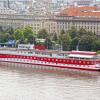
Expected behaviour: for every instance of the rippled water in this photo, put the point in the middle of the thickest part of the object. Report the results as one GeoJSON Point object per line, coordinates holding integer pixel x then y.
{"type": "Point", "coordinates": [22, 83]}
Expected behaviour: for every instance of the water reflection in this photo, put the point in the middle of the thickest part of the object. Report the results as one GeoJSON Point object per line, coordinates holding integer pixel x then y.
{"type": "Point", "coordinates": [23, 83]}
{"type": "Point", "coordinates": [27, 70]}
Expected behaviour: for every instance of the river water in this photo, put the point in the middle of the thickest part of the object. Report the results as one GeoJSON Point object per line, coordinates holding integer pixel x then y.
{"type": "Point", "coordinates": [26, 83]}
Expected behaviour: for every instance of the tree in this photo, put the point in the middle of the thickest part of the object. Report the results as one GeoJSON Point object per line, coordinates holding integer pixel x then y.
{"type": "Point", "coordinates": [10, 31]}
{"type": "Point", "coordinates": [24, 35]}
{"type": "Point", "coordinates": [81, 32]}
{"type": "Point", "coordinates": [27, 31]}
{"type": "Point", "coordinates": [96, 45]}
{"type": "Point", "coordinates": [48, 43]}
{"type": "Point", "coordinates": [1, 29]}
{"type": "Point", "coordinates": [55, 38]}
{"type": "Point", "coordinates": [73, 32]}
{"type": "Point", "coordinates": [2, 37]}
{"type": "Point", "coordinates": [62, 32]}
{"type": "Point", "coordinates": [18, 35]}
{"type": "Point", "coordinates": [65, 41]}
{"type": "Point", "coordinates": [85, 39]}
{"type": "Point", "coordinates": [34, 38]}
{"type": "Point", "coordinates": [74, 43]}
{"type": "Point", "coordinates": [42, 34]}
{"type": "Point", "coordinates": [86, 42]}
{"type": "Point", "coordinates": [28, 34]}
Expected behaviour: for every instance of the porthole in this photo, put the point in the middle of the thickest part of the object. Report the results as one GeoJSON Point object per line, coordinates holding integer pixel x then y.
{"type": "Point", "coordinates": [88, 62]}
{"type": "Point", "coordinates": [41, 58]}
{"type": "Point", "coordinates": [72, 61]}
{"type": "Point", "coordinates": [52, 59]}
{"type": "Point", "coordinates": [64, 61]}
{"type": "Point", "coordinates": [83, 62]}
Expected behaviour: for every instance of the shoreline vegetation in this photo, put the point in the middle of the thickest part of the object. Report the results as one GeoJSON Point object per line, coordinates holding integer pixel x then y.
{"type": "Point", "coordinates": [67, 40]}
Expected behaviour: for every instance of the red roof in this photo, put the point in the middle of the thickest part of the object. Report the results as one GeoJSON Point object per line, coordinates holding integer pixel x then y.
{"type": "Point", "coordinates": [81, 11]}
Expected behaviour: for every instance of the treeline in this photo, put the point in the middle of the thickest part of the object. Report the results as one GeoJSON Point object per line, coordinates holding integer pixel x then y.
{"type": "Point", "coordinates": [71, 40]}
{"type": "Point", "coordinates": [20, 35]}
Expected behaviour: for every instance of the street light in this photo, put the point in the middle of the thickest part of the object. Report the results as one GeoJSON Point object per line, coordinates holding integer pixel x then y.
{"type": "Point", "coordinates": [61, 46]}
{"type": "Point", "coordinates": [77, 47]}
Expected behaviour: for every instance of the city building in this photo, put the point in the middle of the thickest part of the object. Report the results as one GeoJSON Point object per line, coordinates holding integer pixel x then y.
{"type": "Point", "coordinates": [21, 20]}
{"type": "Point", "coordinates": [79, 17]}
{"type": "Point", "coordinates": [87, 17]}
{"type": "Point", "coordinates": [7, 11]}
{"type": "Point", "coordinates": [81, 11]}
{"type": "Point", "coordinates": [82, 2]}
{"type": "Point", "coordinates": [91, 24]}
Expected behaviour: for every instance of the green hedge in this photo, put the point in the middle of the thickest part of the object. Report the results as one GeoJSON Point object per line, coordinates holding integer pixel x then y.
{"type": "Point", "coordinates": [98, 52]}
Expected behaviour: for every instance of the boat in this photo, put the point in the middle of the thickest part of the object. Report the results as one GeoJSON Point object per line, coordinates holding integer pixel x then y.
{"type": "Point", "coordinates": [27, 54]}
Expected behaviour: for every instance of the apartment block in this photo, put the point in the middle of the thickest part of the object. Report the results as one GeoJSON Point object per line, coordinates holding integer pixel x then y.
{"type": "Point", "coordinates": [87, 17]}
{"type": "Point", "coordinates": [89, 23]}
{"type": "Point", "coordinates": [20, 20]}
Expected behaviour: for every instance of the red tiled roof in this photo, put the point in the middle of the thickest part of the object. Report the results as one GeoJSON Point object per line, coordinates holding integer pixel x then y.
{"type": "Point", "coordinates": [81, 11]}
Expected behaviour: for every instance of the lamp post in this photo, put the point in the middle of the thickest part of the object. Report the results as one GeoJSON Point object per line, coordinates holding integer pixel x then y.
{"type": "Point", "coordinates": [77, 47]}
{"type": "Point", "coordinates": [61, 46]}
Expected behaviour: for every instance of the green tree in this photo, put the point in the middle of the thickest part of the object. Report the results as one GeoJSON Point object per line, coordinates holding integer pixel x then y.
{"type": "Point", "coordinates": [28, 34]}
{"type": "Point", "coordinates": [42, 34]}
{"type": "Point", "coordinates": [55, 38]}
{"type": "Point", "coordinates": [86, 42]}
{"type": "Point", "coordinates": [74, 43]}
{"type": "Point", "coordinates": [18, 35]}
{"type": "Point", "coordinates": [65, 41]}
{"type": "Point", "coordinates": [62, 32]}
{"type": "Point", "coordinates": [73, 32]}
{"type": "Point", "coordinates": [81, 32]}
{"type": "Point", "coordinates": [85, 39]}
{"type": "Point", "coordinates": [1, 29]}
{"type": "Point", "coordinates": [2, 37]}
{"type": "Point", "coordinates": [10, 31]}
{"type": "Point", "coordinates": [24, 35]}
{"type": "Point", "coordinates": [96, 45]}
{"type": "Point", "coordinates": [48, 43]}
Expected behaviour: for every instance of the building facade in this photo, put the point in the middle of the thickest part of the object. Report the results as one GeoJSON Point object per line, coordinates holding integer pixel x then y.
{"type": "Point", "coordinates": [20, 20]}
{"type": "Point", "coordinates": [82, 2]}
{"type": "Point", "coordinates": [87, 17]}
{"type": "Point", "coordinates": [88, 23]}
{"type": "Point", "coordinates": [51, 24]}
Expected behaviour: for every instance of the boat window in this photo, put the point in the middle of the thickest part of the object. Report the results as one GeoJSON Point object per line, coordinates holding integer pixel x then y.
{"type": "Point", "coordinates": [74, 58]}
{"type": "Point", "coordinates": [50, 54]}
{"type": "Point", "coordinates": [30, 52]}
{"type": "Point", "coordinates": [82, 58]}
{"type": "Point", "coordinates": [21, 51]}
{"type": "Point", "coordinates": [96, 58]}
{"type": "Point", "coordinates": [43, 53]}
{"type": "Point", "coordinates": [36, 52]}
{"type": "Point", "coordinates": [60, 54]}
{"type": "Point", "coordinates": [66, 55]}
{"type": "Point", "coordinates": [88, 59]}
